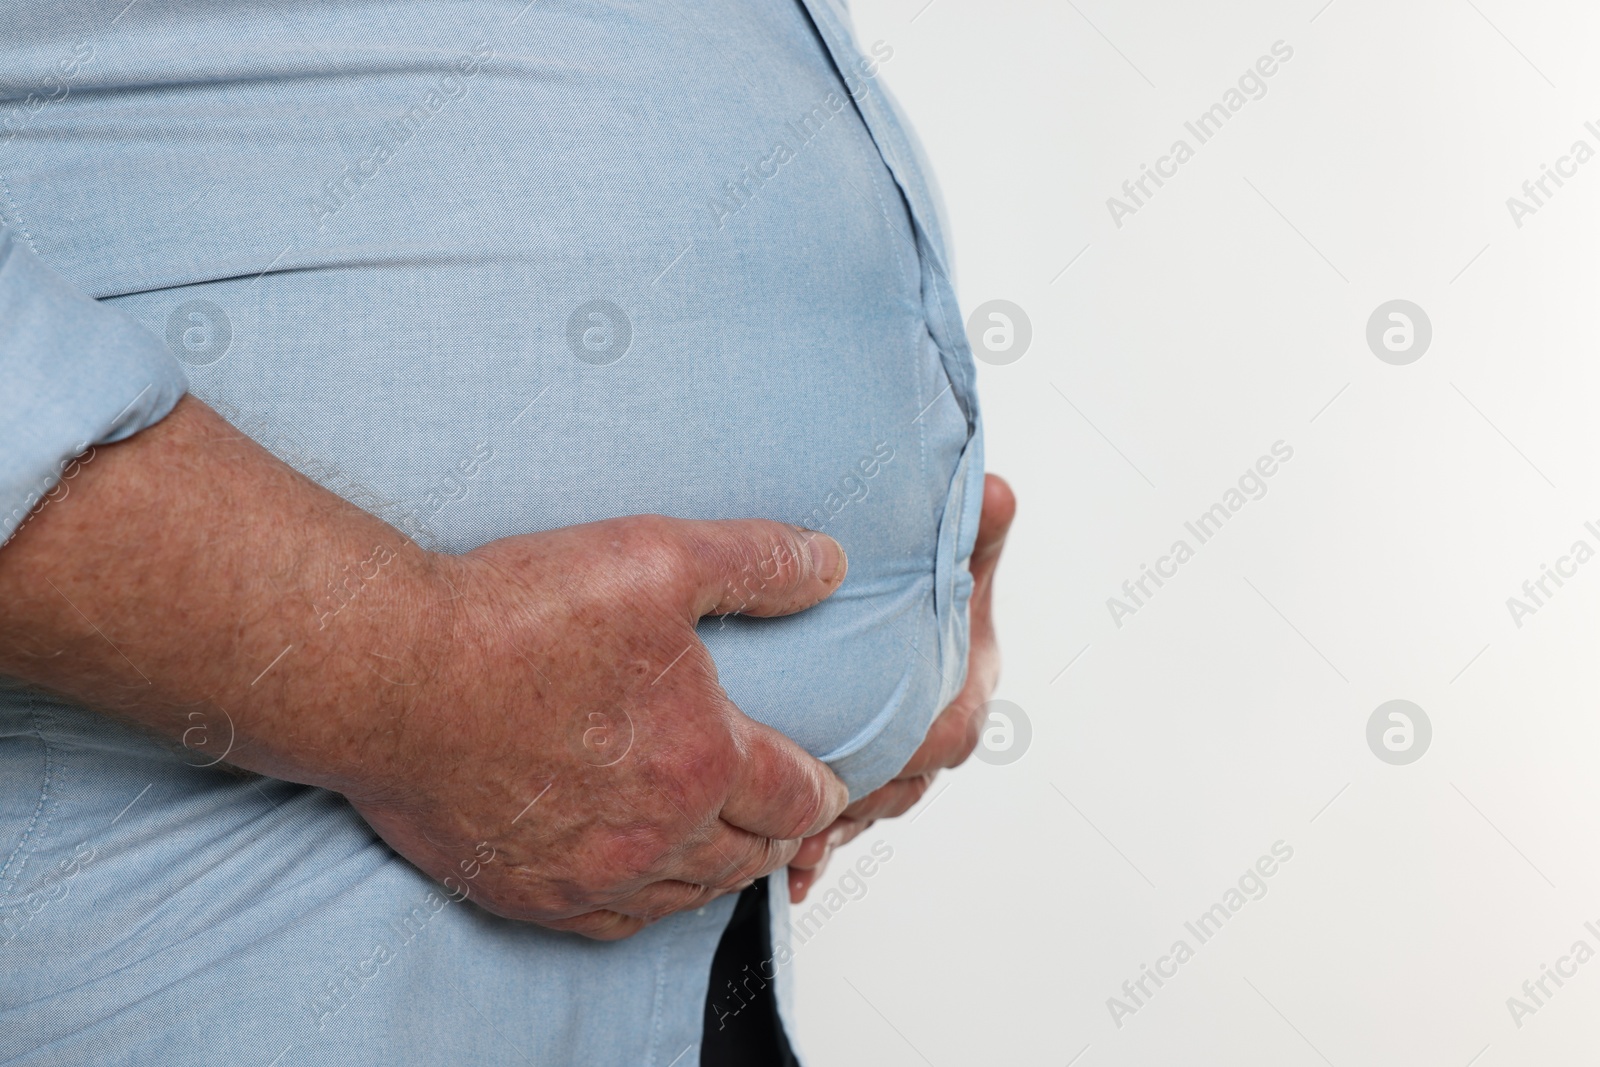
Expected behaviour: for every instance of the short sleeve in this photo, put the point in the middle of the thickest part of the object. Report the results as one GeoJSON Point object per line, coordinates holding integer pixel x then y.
{"type": "Point", "coordinates": [74, 373]}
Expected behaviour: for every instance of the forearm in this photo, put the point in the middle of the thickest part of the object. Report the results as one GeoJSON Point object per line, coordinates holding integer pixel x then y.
{"type": "Point", "coordinates": [187, 573]}
{"type": "Point", "coordinates": [188, 570]}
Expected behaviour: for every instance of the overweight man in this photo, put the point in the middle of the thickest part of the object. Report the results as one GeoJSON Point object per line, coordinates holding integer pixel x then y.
{"type": "Point", "coordinates": [488, 486]}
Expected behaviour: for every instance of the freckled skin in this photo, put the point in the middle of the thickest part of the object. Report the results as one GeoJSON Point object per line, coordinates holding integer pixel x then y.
{"type": "Point", "coordinates": [183, 574]}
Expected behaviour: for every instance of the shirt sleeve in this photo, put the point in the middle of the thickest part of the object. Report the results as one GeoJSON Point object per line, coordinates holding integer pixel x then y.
{"type": "Point", "coordinates": [74, 373]}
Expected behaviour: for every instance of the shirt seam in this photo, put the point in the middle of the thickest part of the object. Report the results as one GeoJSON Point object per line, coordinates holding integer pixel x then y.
{"type": "Point", "coordinates": [40, 808]}
{"type": "Point", "coordinates": [16, 214]}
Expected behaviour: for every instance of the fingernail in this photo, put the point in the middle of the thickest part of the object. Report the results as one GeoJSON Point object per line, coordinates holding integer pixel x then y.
{"type": "Point", "coordinates": [827, 558]}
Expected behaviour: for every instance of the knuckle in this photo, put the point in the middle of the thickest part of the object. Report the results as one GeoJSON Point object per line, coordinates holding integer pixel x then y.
{"type": "Point", "coordinates": [652, 542]}
{"type": "Point", "coordinates": [601, 925]}
{"type": "Point", "coordinates": [876, 805]}
{"type": "Point", "coordinates": [583, 892]}
{"type": "Point", "coordinates": [676, 897]}
{"type": "Point", "coordinates": [767, 856]}
{"type": "Point", "coordinates": [807, 801]}
{"type": "Point", "coordinates": [762, 858]}
{"type": "Point", "coordinates": [955, 735]}
{"type": "Point", "coordinates": [644, 529]}
{"type": "Point", "coordinates": [765, 559]}
{"type": "Point", "coordinates": [914, 790]}
{"type": "Point", "coordinates": [970, 736]}
{"type": "Point", "coordinates": [781, 558]}
{"type": "Point", "coordinates": [729, 874]}
{"type": "Point", "coordinates": [630, 535]}
{"type": "Point", "coordinates": [780, 854]}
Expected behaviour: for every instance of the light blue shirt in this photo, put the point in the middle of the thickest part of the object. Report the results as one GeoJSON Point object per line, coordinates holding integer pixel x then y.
{"type": "Point", "coordinates": [482, 269]}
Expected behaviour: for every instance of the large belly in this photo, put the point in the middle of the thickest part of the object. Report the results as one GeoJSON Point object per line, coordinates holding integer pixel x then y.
{"type": "Point", "coordinates": [519, 276]}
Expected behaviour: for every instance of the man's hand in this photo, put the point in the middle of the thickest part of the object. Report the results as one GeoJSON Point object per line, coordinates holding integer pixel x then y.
{"type": "Point", "coordinates": [579, 728]}
{"type": "Point", "coordinates": [534, 723]}
{"type": "Point", "coordinates": [954, 734]}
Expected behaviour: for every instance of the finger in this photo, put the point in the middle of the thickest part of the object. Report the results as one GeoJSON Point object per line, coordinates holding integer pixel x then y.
{"type": "Point", "coordinates": [994, 522]}
{"type": "Point", "coordinates": [854, 828]}
{"type": "Point", "coordinates": [730, 858]}
{"type": "Point", "coordinates": [780, 790]}
{"type": "Point", "coordinates": [953, 735]}
{"type": "Point", "coordinates": [813, 850]}
{"type": "Point", "coordinates": [892, 799]}
{"type": "Point", "coordinates": [999, 509]}
{"type": "Point", "coordinates": [600, 925]}
{"type": "Point", "coordinates": [801, 879]}
{"type": "Point", "coordinates": [660, 899]}
{"type": "Point", "coordinates": [758, 567]}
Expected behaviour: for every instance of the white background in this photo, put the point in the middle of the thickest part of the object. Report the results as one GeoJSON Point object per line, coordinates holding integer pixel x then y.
{"type": "Point", "coordinates": [1230, 313]}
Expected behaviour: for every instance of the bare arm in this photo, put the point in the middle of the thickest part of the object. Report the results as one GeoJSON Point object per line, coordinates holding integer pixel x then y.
{"type": "Point", "coordinates": [188, 570]}
{"type": "Point", "coordinates": [185, 557]}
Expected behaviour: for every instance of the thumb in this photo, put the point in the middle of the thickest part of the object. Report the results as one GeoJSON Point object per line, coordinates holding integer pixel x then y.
{"type": "Point", "coordinates": [759, 567]}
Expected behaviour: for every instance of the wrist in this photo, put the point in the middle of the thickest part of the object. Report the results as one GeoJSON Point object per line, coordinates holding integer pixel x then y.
{"type": "Point", "coordinates": [376, 641]}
